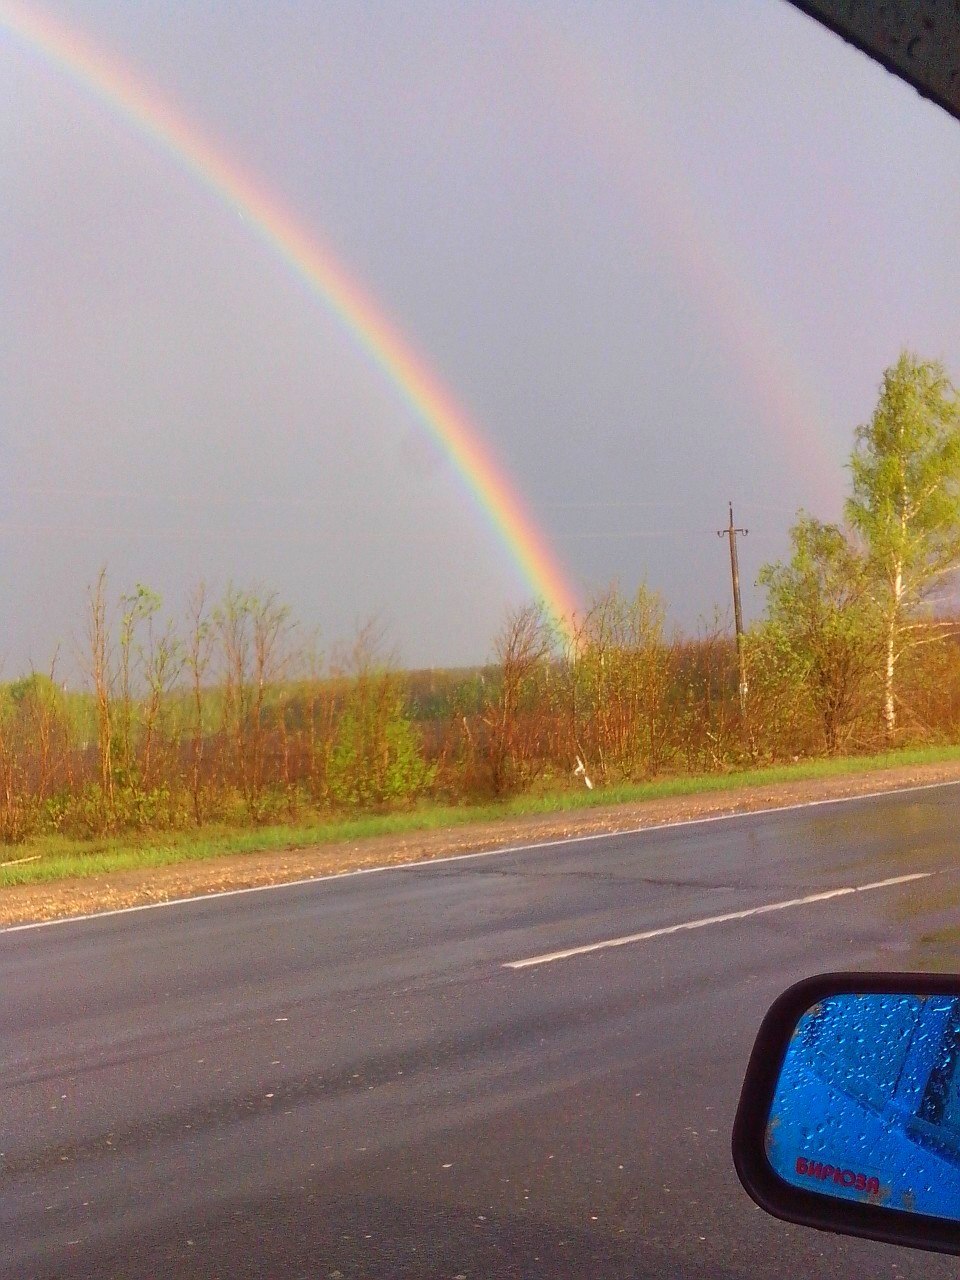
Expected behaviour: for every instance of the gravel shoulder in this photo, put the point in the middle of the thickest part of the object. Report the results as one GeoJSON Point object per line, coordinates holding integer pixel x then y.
{"type": "Point", "coordinates": [20, 904]}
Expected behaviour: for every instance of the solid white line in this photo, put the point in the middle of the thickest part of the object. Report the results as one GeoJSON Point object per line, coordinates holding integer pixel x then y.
{"type": "Point", "coordinates": [423, 864]}
{"type": "Point", "coordinates": [704, 921]}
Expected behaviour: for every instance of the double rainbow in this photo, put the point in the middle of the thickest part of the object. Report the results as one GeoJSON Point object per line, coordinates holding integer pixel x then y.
{"type": "Point", "coordinates": [485, 479]}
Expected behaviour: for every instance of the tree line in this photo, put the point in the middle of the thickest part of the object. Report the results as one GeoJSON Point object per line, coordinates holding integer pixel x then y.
{"type": "Point", "coordinates": [230, 716]}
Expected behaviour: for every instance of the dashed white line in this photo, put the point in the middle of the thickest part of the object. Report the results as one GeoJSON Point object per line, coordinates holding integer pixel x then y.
{"type": "Point", "coordinates": [702, 923]}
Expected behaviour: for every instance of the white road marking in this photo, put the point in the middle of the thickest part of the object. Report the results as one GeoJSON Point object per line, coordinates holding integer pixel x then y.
{"type": "Point", "coordinates": [704, 921]}
{"type": "Point", "coordinates": [423, 864]}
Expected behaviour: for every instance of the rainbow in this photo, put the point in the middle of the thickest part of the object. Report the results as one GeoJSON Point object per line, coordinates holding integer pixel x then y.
{"type": "Point", "coordinates": [484, 478]}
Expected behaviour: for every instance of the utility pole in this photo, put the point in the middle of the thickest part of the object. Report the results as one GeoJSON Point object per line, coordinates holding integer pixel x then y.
{"type": "Point", "coordinates": [733, 533]}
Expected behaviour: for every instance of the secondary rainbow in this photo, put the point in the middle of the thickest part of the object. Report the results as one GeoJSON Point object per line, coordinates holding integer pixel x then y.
{"type": "Point", "coordinates": [489, 486]}
{"type": "Point", "coordinates": [599, 103]}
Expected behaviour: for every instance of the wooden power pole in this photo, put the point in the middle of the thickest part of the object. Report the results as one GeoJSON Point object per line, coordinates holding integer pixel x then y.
{"type": "Point", "coordinates": [733, 533]}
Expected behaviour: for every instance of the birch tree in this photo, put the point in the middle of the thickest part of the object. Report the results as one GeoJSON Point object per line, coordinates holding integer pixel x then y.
{"type": "Point", "coordinates": [905, 505]}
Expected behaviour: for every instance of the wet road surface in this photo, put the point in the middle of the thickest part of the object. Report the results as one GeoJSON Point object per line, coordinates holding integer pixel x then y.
{"type": "Point", "coordinates": [505, 1065]}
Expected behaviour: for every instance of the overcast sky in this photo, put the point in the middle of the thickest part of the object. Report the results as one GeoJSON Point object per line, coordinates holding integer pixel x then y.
{"type": "Point", "coordinates": [660, 252]}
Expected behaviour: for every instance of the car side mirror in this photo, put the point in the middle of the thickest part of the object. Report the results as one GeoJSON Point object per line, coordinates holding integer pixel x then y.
{"type": "Point", "coordinates": [849, 1118]}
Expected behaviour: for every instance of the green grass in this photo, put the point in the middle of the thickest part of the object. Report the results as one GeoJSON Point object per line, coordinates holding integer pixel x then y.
{"type": "Point", "coordinates": [55, 858]}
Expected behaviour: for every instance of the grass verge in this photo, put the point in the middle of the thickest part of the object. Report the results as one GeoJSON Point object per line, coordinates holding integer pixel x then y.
{"type": "Point", "coordinates": [51, 858]}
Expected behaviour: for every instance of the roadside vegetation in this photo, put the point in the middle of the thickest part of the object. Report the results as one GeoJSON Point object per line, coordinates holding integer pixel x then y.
{"type": "Point", "coordinates": [226, 728]}
{"type": "Point", "coordinates": [43, 858]}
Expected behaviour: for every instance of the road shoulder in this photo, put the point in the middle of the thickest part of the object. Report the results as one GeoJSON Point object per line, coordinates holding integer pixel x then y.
{"type": "Point", "coordinates": [79, 896]}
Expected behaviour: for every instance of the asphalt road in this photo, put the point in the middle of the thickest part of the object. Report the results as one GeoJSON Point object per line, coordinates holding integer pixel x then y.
{"type": "Point", "coordinates": [347, 1078]}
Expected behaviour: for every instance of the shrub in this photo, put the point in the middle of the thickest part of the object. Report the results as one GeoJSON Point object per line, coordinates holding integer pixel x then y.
{"type": "Point", "coordinates": [376, 757]}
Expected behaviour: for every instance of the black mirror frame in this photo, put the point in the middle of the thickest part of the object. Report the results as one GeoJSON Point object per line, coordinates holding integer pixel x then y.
{"type": "Point", "coordinates": [767, 1188]}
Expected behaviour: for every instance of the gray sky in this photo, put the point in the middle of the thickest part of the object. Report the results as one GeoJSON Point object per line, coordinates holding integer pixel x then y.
{"type": "Point", "coordinates": [660, 252]}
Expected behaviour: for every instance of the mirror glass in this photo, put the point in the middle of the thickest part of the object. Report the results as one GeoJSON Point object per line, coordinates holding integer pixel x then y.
{"type": "Point", "coordinates": [867, 1106]}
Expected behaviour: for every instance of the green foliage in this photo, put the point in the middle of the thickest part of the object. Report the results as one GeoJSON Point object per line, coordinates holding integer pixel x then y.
{"type": "Point", "coordinates": [35, 688]}
{"type": "Point", "coordinates": [620, 677]}
{"type": "Point", "coordinates": [780, 723]}
{"type": "Point", "coordinates": [822, 628]}
{"type": "Point", "coordinates": [438, 694]}
{"type": "Point", "coordinates": [905, 470]}
{"type": "Point", "coordinates": [905, 502]}
{"type": "Point", "coordinates": [704, 717]}
{"type": "Point", "coordinates": [376, 758]}
{"type": "Point", "coordinates": [85, 812]}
